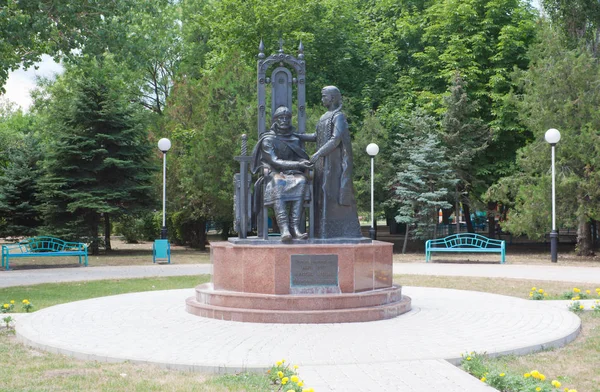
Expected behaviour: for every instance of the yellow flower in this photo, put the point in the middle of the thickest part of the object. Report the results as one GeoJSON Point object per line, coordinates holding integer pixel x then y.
{"type": "Point", "coordinates": [308, 390]}
{"type": "Point", "coordinates": [556, 384]}
{"type": "Point", "coordinates": [294, 378]}
{"type": "Point", "coordinates": [533, 289]}
{"type": "Point", "coordinates": [283, 360]}
{"type": "Point", "coordinates": [6, 306]}
{"type": "Point", "coordinates": [280, 374]}
{"type": "Point", "coordinates": [284, 380]}
{"type": "Point", "coordinates": [531, 294]}
{"type": "Point", "coordinates": [300, 383]}
{"type": "Point", "coordinates": [527, 375]}
{"type": "Point", "coordinates": [572, 390]}
{"type": "Point", "coordinates": [295, 367]}
{"type": "Point", "coordinates": [541, 291]}
{"type": "Point", "coordinates": [278, 363]}
{"type": "Point", "coordinates": [593, 307]}
{"type": "Point", "coordinates": [483, 379]}
{"type": "Point", "coordinates": [502, 374]}
{"type": "Point", "coordinates": [588, 292]}
{"type": "Point", "coordinates": [290, 390]}
{"type": "Point", "coordinates": [576, 290]}
{"type": "Point", "coordinates": [542, 377]}
{"type": "Point", "coordinates": [468, 358]}
{"type": "Point", "coordinates": [12, 301]}
{"type": "Point", "coordinates": [545, 294]}
{"type": "Point", "coordinates": [575, 298]}
{"type": "Point", "coordinates": [538, 389]}
{"type": "Point", "coordinates": [580, 306]}
{"type": "Point", "coordinates": [535, 374]}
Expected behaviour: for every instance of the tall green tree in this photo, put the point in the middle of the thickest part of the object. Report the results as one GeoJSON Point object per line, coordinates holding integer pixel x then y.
{"type": "Point", "coordinates": [465, 137]}
{"type": "Point", "coordinates": [424, 179]}
{"type": "Point", "coordinates": [560, 91]}
{"type": "Point", "coordinates": [98, 158]}
{"type": "Point", "coordinates": [208, 116]}
{"type": "Point", "coordinates": [19, 188]}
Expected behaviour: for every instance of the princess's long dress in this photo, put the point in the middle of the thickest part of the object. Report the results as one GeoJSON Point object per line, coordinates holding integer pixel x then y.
{"type": "Point", "coordinates": [335, 205]}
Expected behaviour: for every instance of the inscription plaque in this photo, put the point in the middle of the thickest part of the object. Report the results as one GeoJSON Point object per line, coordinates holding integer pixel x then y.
{"type": "Point", "coordinates": [314, 270]}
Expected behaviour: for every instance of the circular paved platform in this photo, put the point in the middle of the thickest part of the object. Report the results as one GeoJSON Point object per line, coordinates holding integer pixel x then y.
{"type": "Point", "coordinates": [154, 327]}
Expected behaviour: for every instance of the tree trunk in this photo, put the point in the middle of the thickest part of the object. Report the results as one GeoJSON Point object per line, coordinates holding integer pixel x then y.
{"type": "Point", "coordinates": [467, 214]}
{"type": "Point", "coordinates": [584, 238]}
{"type": "Point", "coordinates": [446, 216]}
{"type": "Point", "coordinates": [491, 217]}
{"type": "Point", "coordinates": [406, 230]}
{"type": "Point", "coordinates": [457, 210]}
{"type": "Point", "coordinates": [95, 248]}
{"type": "Point", "coordinates": [107, 245]}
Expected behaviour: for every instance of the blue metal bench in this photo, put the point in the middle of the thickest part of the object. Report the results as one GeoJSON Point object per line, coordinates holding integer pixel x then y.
{"type": "Point", "coordinates": [465, 242]}
{"type": "Point", "coordinates": [43, 247]}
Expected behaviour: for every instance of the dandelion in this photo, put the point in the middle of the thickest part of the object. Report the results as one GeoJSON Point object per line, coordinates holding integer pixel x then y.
{"type": "Point", "coordinates": [580, 306]}
{"type": "Point", "coordinates": [531, 294]}
{"type": "Point", "coordinates": [468, 358]}
{"type": "Point", "coordinates": [300, 383]}
{"type": "Point", "coordinates": [542, 377]}
{"type": "Point", "coordinates": [502, 374]}
{"type": "Point", "coordinates": [278, 363]}
{"type": "Point", "coordinates": [284, 380]}
{"type": "Point", "coordinates": [538, 389]}
{"type": "Point", "coordinates": [535, 374]}
{"type": "Point", "coordinates": [295, 367]}
{"type": "Point", "coordinates": [545, 294]}
{"type": "Point", "coordinates": [541, 291]}
{"type": "Point", "coordinates": [533, 289]}
{"type": "Point", "coordinates": [483, 379]}
{"type": "Point", "coordinates": [576, 290]}
{"type": "Point", "coordinates": [588, 292]}
{"type": "Point", "coordinates": [12, 302]}
{"type": "Point", "coordinates": [280, 374]}
{"type": "Point", "coordinates": [6, 306]}
{"type": "Point", "coordinates": [556, 384]}
{"type": "Point", "coordinates": [527, 375]}
{"type": "Point", "coordinates": [294, 378]}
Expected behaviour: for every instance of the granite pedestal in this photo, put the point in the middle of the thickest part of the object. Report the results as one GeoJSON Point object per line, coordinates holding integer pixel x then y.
{"type": "Point", "coordinates": [301, 282]}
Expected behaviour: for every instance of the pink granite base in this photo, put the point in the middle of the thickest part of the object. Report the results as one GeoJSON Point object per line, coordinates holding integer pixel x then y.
{"type": "Point", "coordinates": [251, 283]}
{"type": "Point", "coordinates": [298, 309]}
{"type": "Point", "coordinates": [265, 269]}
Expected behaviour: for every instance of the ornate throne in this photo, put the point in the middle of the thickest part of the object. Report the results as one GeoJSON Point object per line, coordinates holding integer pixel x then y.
{"type": "Point", "coordinates": [289, 74]}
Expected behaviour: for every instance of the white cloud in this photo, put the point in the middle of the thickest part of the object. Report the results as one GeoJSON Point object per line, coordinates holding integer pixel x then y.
{"type": "Point", "coordinates": [21, 82]}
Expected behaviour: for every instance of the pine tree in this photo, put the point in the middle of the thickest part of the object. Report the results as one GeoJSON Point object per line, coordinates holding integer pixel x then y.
{"type": "Point", "coordinates": [18, 188]}
{"type": "Point", "coordinates": [421, 187]}
{"type": "Point", "coordinates": [98, 161]}
{"type": "Point", "coordinates": [465, 137]}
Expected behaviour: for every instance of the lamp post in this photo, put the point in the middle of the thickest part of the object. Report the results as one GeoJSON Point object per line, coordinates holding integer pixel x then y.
{"type": "Point", "coordinates": [372, 150]}
{"type": "Point", "coordinates": [552, 136]}
{"type": "Point", "coordinates": [164, 145]}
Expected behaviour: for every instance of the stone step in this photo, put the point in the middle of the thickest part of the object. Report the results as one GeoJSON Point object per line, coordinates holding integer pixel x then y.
{"type": "Point", "coordinates": [205, 294]}
{"type": "Point", "coordinates": [252, 315]}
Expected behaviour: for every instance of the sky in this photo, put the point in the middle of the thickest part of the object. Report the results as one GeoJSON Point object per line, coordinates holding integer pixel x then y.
{"type": "Point", "coordinates": [21, 82]}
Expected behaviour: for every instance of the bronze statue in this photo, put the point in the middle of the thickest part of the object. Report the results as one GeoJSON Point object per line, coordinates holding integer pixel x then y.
{"type": "Point", "coordinates": [335, 205]}
{"type": "Point", "coordinates": [280, 151]}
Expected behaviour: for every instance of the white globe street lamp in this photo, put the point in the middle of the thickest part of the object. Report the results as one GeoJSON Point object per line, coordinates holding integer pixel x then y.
{"type": "Point", "coordinates": [372, 150]}
{"type": "Point", "coordinates": [164, 145]}
{"type": "Point", "coordinates": [552, 136]}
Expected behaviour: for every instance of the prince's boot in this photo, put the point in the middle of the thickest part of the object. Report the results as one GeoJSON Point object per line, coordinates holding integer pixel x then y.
{"type": "Point", "coordinates": [296, 211]}
{"type": "Point", "coordinates": [282, 220]}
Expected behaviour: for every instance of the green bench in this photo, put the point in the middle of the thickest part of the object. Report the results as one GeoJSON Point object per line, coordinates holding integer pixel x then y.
{"type": "Point", "coordinates": [465, 243]}
{"type": "Point", "coordinates": [43, 247]}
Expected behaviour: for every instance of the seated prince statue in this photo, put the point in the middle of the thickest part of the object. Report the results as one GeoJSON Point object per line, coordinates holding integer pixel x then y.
{"type": "Point", "coordinates": [281, 151]}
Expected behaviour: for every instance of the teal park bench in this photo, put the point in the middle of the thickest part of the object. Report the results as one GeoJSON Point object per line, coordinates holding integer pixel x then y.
{"type": "Point", "coordinates": [43, 247]}
{"type": "Point", "coordinates": [465, 242]}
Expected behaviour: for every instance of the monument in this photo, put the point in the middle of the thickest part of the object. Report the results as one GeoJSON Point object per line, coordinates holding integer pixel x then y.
{"type": "Point", "coordinates": [327, 273]}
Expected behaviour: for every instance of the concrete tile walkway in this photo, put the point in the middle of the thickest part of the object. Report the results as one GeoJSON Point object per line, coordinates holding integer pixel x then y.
{"type": "Point", "coordinates": [409, 353]}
